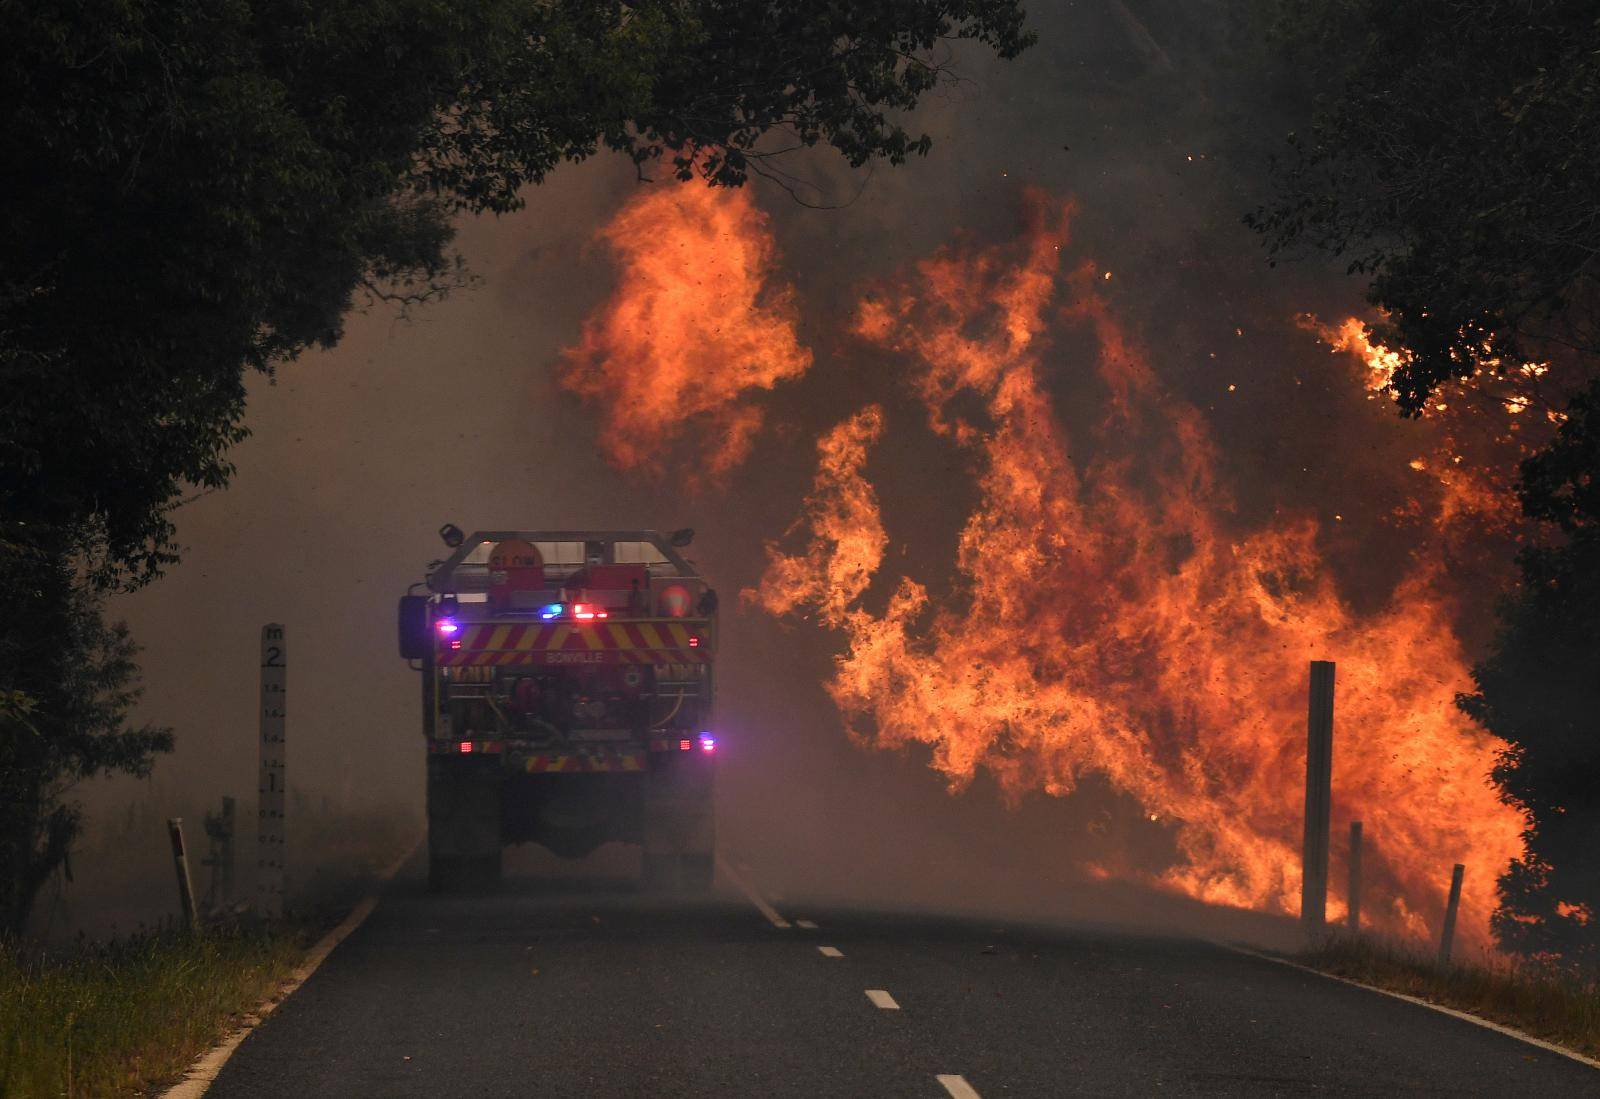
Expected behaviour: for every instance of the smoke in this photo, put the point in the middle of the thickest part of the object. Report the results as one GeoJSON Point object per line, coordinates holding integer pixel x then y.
{"type": "Point", "coordinates": [459, 414]}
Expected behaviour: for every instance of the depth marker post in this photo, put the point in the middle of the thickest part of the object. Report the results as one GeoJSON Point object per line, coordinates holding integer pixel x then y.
{"type": "Point", "coordinates": [269, 811]}
{"type": "Point", "coordinates": [1319, 799]}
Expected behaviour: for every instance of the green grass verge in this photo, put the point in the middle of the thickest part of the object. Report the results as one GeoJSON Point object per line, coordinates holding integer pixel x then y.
{"type": "Point", "coordinates": [1560, 1007]}
{"type": "Point", "coordinates": [128, 1016]}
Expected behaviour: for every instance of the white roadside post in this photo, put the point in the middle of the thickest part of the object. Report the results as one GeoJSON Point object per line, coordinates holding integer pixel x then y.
{"type": "Point", "coordinates": [270, 790]}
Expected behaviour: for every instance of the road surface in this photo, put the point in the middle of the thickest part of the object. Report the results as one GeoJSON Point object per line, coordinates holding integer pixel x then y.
{"type": "Point", "coordinates": [569, 986]}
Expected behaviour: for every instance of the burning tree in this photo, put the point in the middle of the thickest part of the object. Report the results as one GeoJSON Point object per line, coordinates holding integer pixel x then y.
{"type": "Point", "coordinates": [1453, 158]}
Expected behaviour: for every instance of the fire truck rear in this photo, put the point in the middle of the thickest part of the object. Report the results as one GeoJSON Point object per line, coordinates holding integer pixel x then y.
{"type": "Point", "coordinates": [566, 700]}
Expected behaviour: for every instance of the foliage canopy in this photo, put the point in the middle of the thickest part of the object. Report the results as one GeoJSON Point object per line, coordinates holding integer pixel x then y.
{"type": "Point", "coordinates": [1452, 157]}
{"type": "Point", "coordinates": [198, 188]}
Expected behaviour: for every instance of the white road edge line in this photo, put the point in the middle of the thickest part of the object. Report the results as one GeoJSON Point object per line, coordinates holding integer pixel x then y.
{"type": "Point", "coordinates": [830, 952]}
{"type": "Point", "coordinates": [751, 895]}
{"type": "Point", "coordinates": [957, 1086]}
{"type": "Point", "coordinates": [882, 999]}
{"type": "Point", "coordinates": [1476, 1020]}
{"type": "Point", "coordinates": [203, 1073]}
{"type": "Point", "coordinates": [807, 924]}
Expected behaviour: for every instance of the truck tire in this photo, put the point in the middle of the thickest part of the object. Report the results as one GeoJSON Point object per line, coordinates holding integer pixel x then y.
{"type": "Point", "coordinates": [464, 823]}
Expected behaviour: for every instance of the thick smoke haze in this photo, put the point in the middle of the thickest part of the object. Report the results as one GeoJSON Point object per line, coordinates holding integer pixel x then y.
{"type": "Point", "coordinates": [455, 414]}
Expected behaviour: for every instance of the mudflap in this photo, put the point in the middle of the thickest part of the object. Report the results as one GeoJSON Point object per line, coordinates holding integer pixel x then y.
{"type": "Point", "coordinates": [680, 827]}
{"type": "Point", "coordinates": [464, 822]}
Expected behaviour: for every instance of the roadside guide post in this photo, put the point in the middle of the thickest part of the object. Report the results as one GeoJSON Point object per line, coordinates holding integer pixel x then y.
{"type": "Point", "coordinates": [1319, 797]}
{"type": "Point", "coordinates": [270, 823]}
{"type": "Point", "coordinates": [1355, 877]}
{"type": "Point", "coordinates": [1449, 933]}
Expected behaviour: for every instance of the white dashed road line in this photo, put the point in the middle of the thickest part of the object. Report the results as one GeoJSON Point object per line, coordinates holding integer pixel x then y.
{"type": "Point", "coordinates": [830, 952]}
{"type": "Point", "coordinates": [807, 924]}
{"type": "Point", "coordinates": [957, 1086]}
{"type": "Point", "coordinates": [751, 895]}
{"type": "Point", "coordinates": [882, 999]}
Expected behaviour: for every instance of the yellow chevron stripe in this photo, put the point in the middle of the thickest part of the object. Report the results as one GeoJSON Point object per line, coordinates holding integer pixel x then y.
{"type": "Point", "coordinates": [497, 639]}
{"type": "Point", "coordinates": [619, 636]}
{"type": "Point", "coordinates": [558, 639]}
{"type": "Point", "coordinates": [680, 635]}
{"type": "Point", "coordinates": [651, 638]}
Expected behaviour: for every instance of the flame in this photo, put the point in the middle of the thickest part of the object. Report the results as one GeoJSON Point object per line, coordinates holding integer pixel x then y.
{"type": "Point", "coordinates": [696, 326]}
{"type": "Point", "coordinates": [1112, 617]}
{"type": "Point", "coordinates": [1353, 336]}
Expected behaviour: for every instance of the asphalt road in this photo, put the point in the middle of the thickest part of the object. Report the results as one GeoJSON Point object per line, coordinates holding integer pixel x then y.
{"type": "Point", "coordinates": [567, 986]}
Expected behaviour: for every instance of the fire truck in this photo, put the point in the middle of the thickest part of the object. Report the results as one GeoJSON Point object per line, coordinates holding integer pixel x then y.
{"type": "Point", "coordinates": [566, 700]}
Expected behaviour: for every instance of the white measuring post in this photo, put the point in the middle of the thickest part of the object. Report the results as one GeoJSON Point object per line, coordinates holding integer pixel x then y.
{"type": "Point", "coordinates": [269, 823]}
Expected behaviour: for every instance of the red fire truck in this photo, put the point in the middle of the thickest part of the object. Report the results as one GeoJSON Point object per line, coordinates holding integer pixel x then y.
{"type": "Point", "coordinates": [566, 700]}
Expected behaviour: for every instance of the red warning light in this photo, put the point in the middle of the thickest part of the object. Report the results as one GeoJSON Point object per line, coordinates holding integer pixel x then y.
{"type": "Point", "coordinates": [685, 745]}
{"type": "Point", "coordinates": [466, 746]}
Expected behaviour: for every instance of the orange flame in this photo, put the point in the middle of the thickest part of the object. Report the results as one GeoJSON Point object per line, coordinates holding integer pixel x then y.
{"type": "Point", "coordinates": [695, 327]}
{"type": "Point", "coordinates": [1113, 618]}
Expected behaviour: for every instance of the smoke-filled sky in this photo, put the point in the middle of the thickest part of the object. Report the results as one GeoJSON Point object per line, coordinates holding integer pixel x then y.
{"type": "Point", "coordinates": [455, 414]}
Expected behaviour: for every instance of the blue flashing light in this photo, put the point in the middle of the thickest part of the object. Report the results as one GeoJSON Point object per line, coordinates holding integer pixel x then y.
{"type": "Point", "coordinates": [447, 627]}
{"type": "Point", "coordinates": [708, 743]}
{"type": "Point", "coordinates": [552, 610]}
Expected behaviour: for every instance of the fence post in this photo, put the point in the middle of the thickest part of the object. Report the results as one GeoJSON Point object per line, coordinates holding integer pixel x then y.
{"type": "Point", "coordinates": [1319, 798]}
{"type": "Point", "coordinates": [1354, 919]}
{"type": "Point", "coordinates": [180, 863]}
{"type": "Point", "coordinates": [1450, 914]}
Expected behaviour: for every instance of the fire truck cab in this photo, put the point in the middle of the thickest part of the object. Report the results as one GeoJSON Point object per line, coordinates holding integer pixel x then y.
{"type": "Point", "coordinates": [566, 700]}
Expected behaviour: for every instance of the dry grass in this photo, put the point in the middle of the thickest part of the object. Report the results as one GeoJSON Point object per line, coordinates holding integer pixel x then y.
{"type": "Point", "coordinates": [128, 1016]}
{"type": "Point", "coordinates": [1548, 1003]}
{"type": "Point", "coordinates": [124, 1017]}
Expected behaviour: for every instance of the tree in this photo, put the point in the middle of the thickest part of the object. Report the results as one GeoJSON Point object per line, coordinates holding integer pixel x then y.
{"type": "Point", "coordinates": [195, 189]}
{"type": "Point", "coordinates": [71, 682]}
{"type": "Point", "coordinates": [1452, 157]}
{"type": "Point", "coordinates": [1538, 691]}
{"type": "Point", "coordinates": [198, 189]}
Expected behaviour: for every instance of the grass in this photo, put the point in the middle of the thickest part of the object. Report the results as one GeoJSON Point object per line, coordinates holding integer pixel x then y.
{"type": "Point", "coordinates": [1557, 1006]}
{"type": "Point", "coordinates": [128, 1016]}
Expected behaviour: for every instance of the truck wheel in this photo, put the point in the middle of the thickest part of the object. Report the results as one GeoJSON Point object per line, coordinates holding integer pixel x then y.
{"type": "Point", "coordinates": [464, 826]}
{"type": "Point", "coordinates": [697, 872]}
